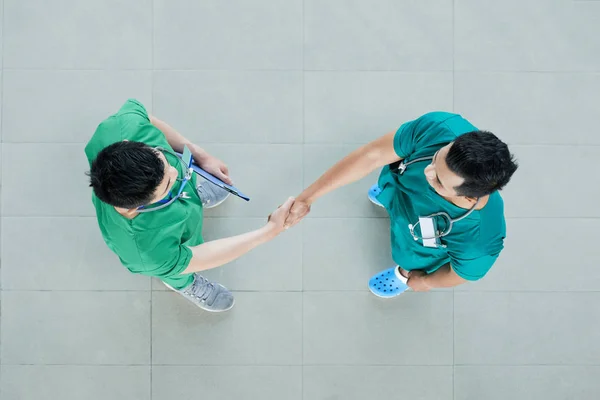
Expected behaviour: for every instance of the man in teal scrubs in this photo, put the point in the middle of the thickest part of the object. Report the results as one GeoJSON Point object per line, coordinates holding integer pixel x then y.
{"type": "Point", "coordinates": [150, 209]}
{"type": "Point", "coordinates": [437, 163]}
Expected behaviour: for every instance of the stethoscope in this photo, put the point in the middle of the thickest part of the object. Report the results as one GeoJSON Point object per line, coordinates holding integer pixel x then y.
{"type": "Point", "coordinates": [170, 199]}
{"type": "Point", "coordinates": [450, 221]}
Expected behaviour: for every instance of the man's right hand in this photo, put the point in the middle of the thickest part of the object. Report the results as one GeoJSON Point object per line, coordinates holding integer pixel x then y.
{"type": "Point", "coordinates": [300, 209]}
{"type": "Point", "coordinates": [278, 217]}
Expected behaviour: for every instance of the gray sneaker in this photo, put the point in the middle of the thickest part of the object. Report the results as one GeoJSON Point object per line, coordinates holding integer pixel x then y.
{"type": "Point", "coordinates": [211, 195]}
{"type": "Point", "coordinates": [209, 296]}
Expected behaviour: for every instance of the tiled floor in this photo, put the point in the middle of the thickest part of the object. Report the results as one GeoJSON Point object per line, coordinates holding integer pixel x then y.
{"type": "Point", "coordinates": [281, 90]}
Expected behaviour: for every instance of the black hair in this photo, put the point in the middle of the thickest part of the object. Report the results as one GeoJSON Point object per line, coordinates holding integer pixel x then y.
{"type": "Point", "coordinates": [484, 162]}
{"type": "Point", "coordinates": [126, 174]}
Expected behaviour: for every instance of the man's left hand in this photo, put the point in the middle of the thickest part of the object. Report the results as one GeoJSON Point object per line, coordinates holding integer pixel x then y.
{"type": "Point", "coordinates": [215, 167]}
{"type": "Point", "coordinates": [417, 282]}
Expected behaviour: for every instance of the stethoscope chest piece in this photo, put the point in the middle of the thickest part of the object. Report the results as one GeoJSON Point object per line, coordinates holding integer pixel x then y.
{"type": "Point", "coordinates": [430, 232]}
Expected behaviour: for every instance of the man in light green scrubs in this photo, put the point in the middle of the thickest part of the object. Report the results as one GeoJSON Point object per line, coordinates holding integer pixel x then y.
{"type": "Point", "coordinates": [437, 163]}
{"type": "Point", "coordinates": [150, 212]}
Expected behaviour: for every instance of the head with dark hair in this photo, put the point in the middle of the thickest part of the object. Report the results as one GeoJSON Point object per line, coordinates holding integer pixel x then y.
{"type": "Point", "coordinates": [476, 164]}
{"type": "Point", "coordinates": [130, 174]}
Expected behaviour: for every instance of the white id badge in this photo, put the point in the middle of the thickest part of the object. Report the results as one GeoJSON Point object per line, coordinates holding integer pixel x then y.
{"type": "Point", "coordinates": [428, 230]}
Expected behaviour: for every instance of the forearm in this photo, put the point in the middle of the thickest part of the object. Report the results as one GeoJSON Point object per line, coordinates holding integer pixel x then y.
{"type": "Point", "coordinates": [222, 251]}
{"type": "Point", "coordinates": [353, 167]}
{"type": "Point", "coordinates": [177, 140]}
{"type": "Point", "coordinates": [444, 277]}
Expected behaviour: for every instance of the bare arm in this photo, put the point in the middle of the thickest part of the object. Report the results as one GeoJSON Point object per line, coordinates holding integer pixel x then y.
{"type": "Point", "coordinates": [444, 277]}
{"type": "Point", "coordinates": [175, 139]}
{"type": "Point", "coordinates": [222, 251]}
{"type": "Point", "coordinates": [351, 168]}
{"type": "Point", "coordinates": [203, 158]}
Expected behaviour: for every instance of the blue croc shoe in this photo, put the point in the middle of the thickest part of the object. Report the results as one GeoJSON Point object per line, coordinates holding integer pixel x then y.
{"type": "Point", "coordinates": [373, 193]}
{"type": "Point", "coordinates": [388, 283]}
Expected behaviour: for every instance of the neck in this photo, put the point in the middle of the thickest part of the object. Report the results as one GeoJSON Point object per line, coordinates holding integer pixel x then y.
{"type": "Point", "coordinates": [129, 213]}
{"type": "Point", "coordinates": [469, 202]}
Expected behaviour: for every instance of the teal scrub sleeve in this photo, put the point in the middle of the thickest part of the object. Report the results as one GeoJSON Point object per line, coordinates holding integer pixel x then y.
{"type": "Point", "coordinates": [422, 132]}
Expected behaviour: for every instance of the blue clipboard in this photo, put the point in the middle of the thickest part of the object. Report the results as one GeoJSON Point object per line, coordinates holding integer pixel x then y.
{"type": "Point", "coordinates": [216, 181]}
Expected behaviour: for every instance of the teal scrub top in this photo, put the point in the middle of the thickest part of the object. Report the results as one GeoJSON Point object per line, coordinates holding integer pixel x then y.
{"type": "Point", "coordinates": [475, 242]}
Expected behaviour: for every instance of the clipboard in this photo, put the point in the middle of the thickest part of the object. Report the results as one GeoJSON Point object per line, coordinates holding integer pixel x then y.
{"type": "Point", "coordinates": [216, 181]}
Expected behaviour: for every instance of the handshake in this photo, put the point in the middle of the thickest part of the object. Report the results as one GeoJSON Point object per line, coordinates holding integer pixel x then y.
{"type": "Point", "coordinates": [287, 215]}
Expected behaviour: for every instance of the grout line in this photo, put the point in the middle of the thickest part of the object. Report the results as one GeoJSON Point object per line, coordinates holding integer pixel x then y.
{"type": "Point", "coordinates": [454, 110]}
{"type": "Point", "coordinates": [453, 65]}
{"type": "Point", "coordinates": [308, 365]}
{"type": "Point", "coordinates": [153, 112]}
{"type": "Point", "coordinates": [333, 71]}
{"type": "Point", "coordinates": [302, 227]}
{"type": "Point", "coordinates": [453, 338]}
{"type": "Point", "coordinates": [303, 291]}
{"type": "Point", "coordinates": [1, 158]}
{"type": "Point", "coordinates": [2, 75]}
{"type": "Point", "coordinates": [151, 363]}
{"type": "Point", "coordinates": [250, 217]}
{"type": "Point", "coordinates": [313, 144]}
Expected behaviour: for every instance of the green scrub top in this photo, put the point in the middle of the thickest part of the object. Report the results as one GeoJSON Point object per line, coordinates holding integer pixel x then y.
{"type": "Point", "coordinates": [475, 242]}
{"type": "Point", "coordinates": [154, 243]}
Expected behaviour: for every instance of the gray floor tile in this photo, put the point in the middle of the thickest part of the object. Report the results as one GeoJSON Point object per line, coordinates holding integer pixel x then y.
{"type": "Point", "coordinates": [378, 35]}
{"type": "Point", "coordinates": [45, 180]}
{"type": "Point", "coordinates": [348, 201]}
{"type": "Point", "coordinates": [262, 329]}
{"type": "Point", "coordinates": [1, 89]}
{"type": "Point", "coordinates": [533, 35]}
{"type": "Point", "coordinates": [551, 182]}
{"type": "Point", "coordinates": [526, 328]}
{"type": "Point", "coordinates": [231, 106]}
{"type": "Point", "coordinates": [268, 174]}
{"type": "Point", "coordinates": [544, 254]}
{"type": "Point", "coordinates": [353, 328]}
{"type": "Point", "coordinates": [358, 383]}
{"type": "Point", "coordinates": [75, 328]}
{"type": "Point", "coordinates": [358, 107]}
{"type": "Point", "coordinates": [273, 266]}
{"type": "Point", "coordinates": [539, 382]}
{"type": "Point", "coordinates": [1, 34]}
{"type": "Point", "coordinates": [234, 35]}
{"type": "Point", "coordinates": [72, 34]}
{"type": "Point", "coordinates": [281, 91]}
{"type": "Point", "coordinates": [343, 254]}
{"type": "Point", "coordinates": [69, 382]}
{"type": "Point", "coordinates": [86, 98]}
{"type": "Point", "coordinates": [69, 254]}
{"type": "Point", "coordinates": [531, 108]}
{"type": "Point", "coordinates": [276, 265]}
{"type": "Point", "coordinates": [248, 383]}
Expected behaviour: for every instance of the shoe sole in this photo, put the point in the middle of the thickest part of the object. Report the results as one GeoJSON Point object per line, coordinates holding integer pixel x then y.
{"type": "Point", "coordinates": [203, 309]}
{"type": "Point", "coordinates": [376, 203]}
{"type": "Point", "coordinates": [388, 297]}
{"type": "Point", "coordinates": [382, 297]}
